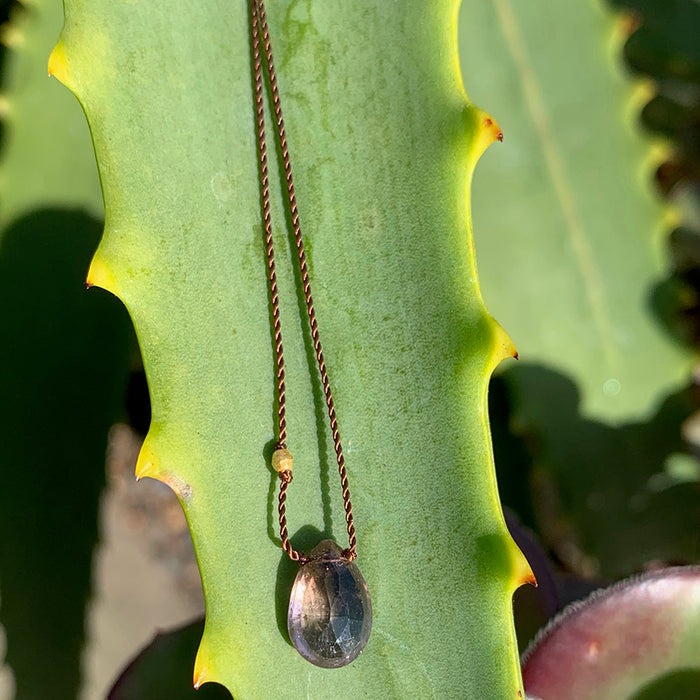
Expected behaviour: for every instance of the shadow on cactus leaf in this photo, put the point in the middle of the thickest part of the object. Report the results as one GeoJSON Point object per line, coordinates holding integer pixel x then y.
{"type": "Point", "coordinates": [63, 362]}
{"type": "Point", "coordinates": [606, 500]}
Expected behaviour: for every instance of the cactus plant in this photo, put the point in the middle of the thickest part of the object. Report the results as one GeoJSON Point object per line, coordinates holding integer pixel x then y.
{"type": "Point", "coordinates": [410, 347]}
{"type": "Point", "coordinates": [65, 356]}
{"type": "Point", "coordinates": [574, 262]}
{"type": "Point", "coordinates": [384, 142]}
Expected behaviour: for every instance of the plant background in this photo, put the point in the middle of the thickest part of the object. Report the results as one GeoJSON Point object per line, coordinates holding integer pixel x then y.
{"type": "Point", "coordinates": [71, 370]}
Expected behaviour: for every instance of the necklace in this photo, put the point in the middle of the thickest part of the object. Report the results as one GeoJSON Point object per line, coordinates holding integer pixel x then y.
{"type": "Point", "coordinates": [330, 612]}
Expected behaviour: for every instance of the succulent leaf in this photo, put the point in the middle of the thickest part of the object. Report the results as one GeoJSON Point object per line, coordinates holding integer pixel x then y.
{"type": "Point", "coordinates": [64, 358]}
{"type": "Point", "coordinates": [633, 640]}
{"type": "Point", "coordinates": [571, 246]}
{"type": "Point", "coordinates": [383, 143]}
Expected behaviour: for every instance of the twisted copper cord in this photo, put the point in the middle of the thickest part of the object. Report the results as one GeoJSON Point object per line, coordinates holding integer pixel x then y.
{"type": "Point", "coordinates": [260, 30]}
{"type": "Point", "coordinates": [269, 249]}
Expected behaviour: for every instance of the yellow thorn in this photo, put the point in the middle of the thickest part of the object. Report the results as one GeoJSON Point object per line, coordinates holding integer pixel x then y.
{"type": "Point", "coordinates": [621, 25]}
{"type": "Point", "coordinates": [146, 464]}
{"type": "Point", "coordinates": [201, 671]}
{"type": "Point", "coordinates": [143, 469]}
{"type": "Point", "coordinates": [485, 130]}
{"type": "Point", "coordinates": [503, 345]}
{"type": "Point", "coordinates": [523, 572]}
{"type": "Point", "coordinates": [520, 569]}
{"type": "Point", "coordinates": [57, 64]}
{"type": "Point", "coordinates": [641, 92]}
{"type": "Point", "coordinates": [100, 275]}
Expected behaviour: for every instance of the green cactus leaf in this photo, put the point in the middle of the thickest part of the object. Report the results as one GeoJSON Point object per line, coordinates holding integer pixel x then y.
{"type": "Point", "coordinates": [598, 222]}
{"type": "Point", "coordinates": [636, 640]}
{"type": "Point", "coordinates": [383, 143]}
{"type": "Point", "coordinates": [571, 245]}
{"type": "Point", "coordinates": [64, 359]}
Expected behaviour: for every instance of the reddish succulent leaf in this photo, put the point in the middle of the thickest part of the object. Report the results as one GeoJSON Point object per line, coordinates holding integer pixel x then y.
{"type": "Point", "coordinates": [620, 641]}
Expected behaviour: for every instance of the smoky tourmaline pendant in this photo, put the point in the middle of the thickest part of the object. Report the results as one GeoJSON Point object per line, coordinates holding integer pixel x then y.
{"type": "Point", "coordinates": [330, 611]}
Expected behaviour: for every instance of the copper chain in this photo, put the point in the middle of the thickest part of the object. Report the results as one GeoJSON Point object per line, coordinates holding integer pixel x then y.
{"type": "Point", "coordinates": [260, 33]}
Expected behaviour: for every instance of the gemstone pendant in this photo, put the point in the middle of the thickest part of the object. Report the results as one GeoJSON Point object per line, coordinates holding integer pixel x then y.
{"type": "Point", "coordinates": [330, 611]}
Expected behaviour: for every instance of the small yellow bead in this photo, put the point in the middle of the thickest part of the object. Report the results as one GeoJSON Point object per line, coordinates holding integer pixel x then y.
{"type": "Point", "coordinates": [282, 460]}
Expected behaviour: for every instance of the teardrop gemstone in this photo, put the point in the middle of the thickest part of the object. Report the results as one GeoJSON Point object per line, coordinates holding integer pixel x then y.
{"type": "Point", "coordinates": [330, 611]}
